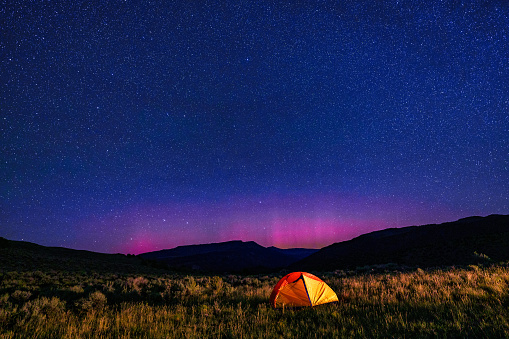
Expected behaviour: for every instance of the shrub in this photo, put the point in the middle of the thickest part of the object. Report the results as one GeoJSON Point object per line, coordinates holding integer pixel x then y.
{"type": "Point", "coordinates": [21, 296]}
{"type": "Point", "coordinates": [137, 284]}
{"type": "Point", "coordinates": [190, 286]}
{"type": "Point", "coordinates": [108, 287]}
{"type": "Point", "coordinates": [482, 257]}
{"type": "Point", "coordinates": [3, 300]}
{"type": "Point", "coordinates": [77, 289]}
{"type": "Point", "coordinates": [96, 302]}
{"type": "Point", "coordinates": [44, 308]}
{"type": "Point", "coordinates": [216, 284]}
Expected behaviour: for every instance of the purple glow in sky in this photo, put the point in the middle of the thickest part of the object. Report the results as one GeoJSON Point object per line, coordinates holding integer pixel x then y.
{"type": "Point", "coordinates": [131, 127]}
{"type": "Point", "coordinates": [284, 222]}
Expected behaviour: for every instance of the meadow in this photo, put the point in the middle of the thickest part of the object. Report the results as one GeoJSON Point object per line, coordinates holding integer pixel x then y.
{"type": "Point", "coordinates": [453, 302]}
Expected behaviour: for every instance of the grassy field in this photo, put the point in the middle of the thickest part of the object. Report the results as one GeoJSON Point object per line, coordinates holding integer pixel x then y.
{"type": "Point", "coordinates": [468, 302]}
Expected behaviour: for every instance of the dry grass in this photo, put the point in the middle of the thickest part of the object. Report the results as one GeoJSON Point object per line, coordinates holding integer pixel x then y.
{"type": "Point", "coordinates": [470, 302]}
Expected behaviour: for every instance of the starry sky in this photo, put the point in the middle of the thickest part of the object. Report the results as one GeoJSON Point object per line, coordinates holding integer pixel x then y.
{"type": "Point", "coordinates": [136, 126]}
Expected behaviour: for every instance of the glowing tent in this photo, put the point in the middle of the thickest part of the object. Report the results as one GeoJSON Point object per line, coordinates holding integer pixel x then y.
{"type": "Point", "coordinates": [301, 289]}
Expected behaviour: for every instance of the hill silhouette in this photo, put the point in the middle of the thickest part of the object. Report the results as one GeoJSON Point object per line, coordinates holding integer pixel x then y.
{"type": "Point", "coordinates": [231, 256]}
{"type": "Point", "coordinates": [466, 241]}
{"type": "Point", "coordinates": [23, 256]}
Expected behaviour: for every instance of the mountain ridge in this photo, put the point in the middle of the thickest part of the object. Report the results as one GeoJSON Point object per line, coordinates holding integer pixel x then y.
{"type": "Point", "coordinates": [24, 256]}
{"type": "Point", "coordinates": [469, 240]}
{"type": "Point", "coordinates": [229, 256]}
{"type": "Point", "coordinates": [449, 243]}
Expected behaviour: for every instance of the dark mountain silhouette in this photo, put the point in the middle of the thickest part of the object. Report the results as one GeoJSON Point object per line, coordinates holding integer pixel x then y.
{"type": "Point", "coordinates": [25, 256]}
{"type": "Point", "coordinates": [466, 241]}
{"type": "Point", "coordinates": [295, 253]}
{"type": "Point", "coordinates": [231, 256]}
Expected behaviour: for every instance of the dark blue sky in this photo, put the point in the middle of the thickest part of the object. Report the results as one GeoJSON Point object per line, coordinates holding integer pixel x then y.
{"type": "Point", "coordinates": [128, 127]}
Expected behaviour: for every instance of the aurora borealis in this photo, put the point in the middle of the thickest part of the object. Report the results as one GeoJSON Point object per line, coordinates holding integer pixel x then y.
{"type": "Point", "coordinates": [131, 127]}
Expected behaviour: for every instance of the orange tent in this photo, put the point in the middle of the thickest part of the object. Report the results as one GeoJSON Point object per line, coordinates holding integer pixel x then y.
{"type": "Point", "coordinates": [301, 289]}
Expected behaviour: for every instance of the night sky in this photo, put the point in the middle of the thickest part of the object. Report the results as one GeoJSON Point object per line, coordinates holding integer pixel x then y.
{"type": "Point", "coordinates": [137, 126]}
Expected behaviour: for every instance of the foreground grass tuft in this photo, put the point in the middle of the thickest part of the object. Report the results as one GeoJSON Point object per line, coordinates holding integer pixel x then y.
{"type": "Point", "coordinates": [470, 302]}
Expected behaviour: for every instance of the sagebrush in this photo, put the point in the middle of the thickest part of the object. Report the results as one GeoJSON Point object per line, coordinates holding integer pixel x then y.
{"type": "Point", "coordinates": [466, 302]}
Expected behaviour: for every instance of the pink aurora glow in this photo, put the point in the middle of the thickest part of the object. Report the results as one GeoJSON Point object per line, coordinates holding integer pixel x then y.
{"type": "Point", "coordinates": [311, 222]}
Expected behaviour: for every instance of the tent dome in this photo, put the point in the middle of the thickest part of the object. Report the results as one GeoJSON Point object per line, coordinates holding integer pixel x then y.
{"type": "Point", "coordinates": [301, 289]}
